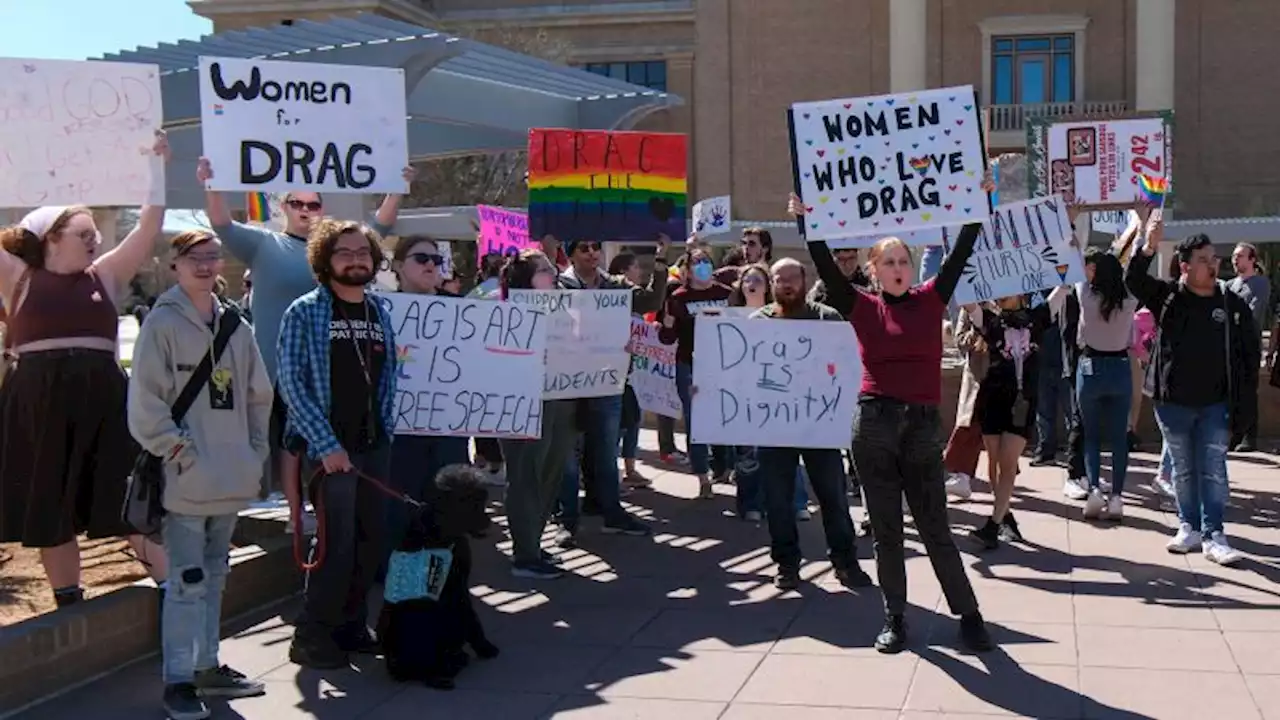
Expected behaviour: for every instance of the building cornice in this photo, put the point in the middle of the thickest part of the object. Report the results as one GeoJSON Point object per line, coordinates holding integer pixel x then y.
{"type": "Point", "coordinates": [405, 9]}
{"type": "Point", "coordinates": [627, 13]}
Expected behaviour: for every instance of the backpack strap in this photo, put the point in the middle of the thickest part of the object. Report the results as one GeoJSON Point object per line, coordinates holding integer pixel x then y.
{"type": "Point", "coordinates": [228, 323]}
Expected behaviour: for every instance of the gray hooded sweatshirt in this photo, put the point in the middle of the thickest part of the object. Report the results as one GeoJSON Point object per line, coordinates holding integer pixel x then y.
{"type": "Point", "coordinates": [219, 467]}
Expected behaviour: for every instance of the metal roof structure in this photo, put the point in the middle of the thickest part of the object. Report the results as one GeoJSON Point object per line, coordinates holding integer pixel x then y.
{"type": "Point", "coordinates": [463, 97]}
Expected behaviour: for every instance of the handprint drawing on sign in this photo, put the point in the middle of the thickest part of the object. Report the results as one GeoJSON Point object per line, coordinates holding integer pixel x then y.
{"type": "Point", "coordinates": [719, 216]}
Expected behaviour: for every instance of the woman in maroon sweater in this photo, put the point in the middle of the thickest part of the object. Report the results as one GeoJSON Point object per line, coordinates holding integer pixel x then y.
{"type": "Point", "coordinates": [699, 293]}
{"type": "Point", "coordinates": [897, 440]}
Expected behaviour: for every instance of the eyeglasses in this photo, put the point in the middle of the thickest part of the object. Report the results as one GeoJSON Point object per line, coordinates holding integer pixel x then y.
{"type": "Point", "coordinates": [424, 258]}
{"type": "Point", "coordinates": [588, 246]}
{"type": "Point", "coordinates": [299, 205]}
{"type": "Point", "coordinates": [346, 255]}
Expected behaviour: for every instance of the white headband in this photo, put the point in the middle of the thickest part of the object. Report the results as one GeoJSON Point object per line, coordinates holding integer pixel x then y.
{"type": "Point", "coordinates": [40, 220]}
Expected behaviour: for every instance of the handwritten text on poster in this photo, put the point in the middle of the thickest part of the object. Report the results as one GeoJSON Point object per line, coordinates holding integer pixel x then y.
{"type": "Point", "coordinates": [504, 232]}
{"type": "Point", "coordinates": [587, 336]}
{"type": "Point", "coordinates": [1022, 248]}
{"type": "Point", "coordinates": [653, 371]}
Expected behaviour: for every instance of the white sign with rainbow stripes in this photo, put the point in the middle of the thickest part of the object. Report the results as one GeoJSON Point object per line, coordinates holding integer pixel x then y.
{"type": "Point", "coordinates": [1023, 247]}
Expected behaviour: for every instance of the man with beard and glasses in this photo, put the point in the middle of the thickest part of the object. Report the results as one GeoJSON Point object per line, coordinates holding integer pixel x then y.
{"type": "Point", "coordinates": [278, 262]}
{"type": "Point", "coordinates": [1252, 285]}
{"type": "Point", "coordinates": [826, 468]}
{"type": "Point", "coordinates": [600, 418]}
{"type": "Point", "coordinates": [756, 248]}
{"type": "Point", "coordinates": [338, 377]}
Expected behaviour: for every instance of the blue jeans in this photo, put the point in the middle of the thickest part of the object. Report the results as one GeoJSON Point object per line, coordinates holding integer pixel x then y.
{"type": "Point", "coordinates": [699, 455]}
{"type": "Point", "coordinates": [604, 415]}
{"type": "Point", "coordinates": [826, 473]}
{"type": "Point", "coordinates": [199, 551]}
{"type": "Point", "coordinates": [1104, 394]}
{"type": "Point", "coordinates": [415, 461]}
{"type": "Point", "coordinates": [1197, 442]}
{"type": "Point", "coordinates": [750, 491]}
{"type": "Point", "coordinates": [1052, 396]}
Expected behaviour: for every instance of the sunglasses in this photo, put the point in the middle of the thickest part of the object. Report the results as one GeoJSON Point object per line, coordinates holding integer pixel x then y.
{"type": "Point", "coordinates": [424, 258]}
{"type": "Point", "coordinates": [588, 246]}
{"type": "Point", "coordinates": [299, 205]}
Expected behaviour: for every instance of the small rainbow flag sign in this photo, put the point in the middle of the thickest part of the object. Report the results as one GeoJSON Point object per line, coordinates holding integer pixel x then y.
{"type": "Point", "coordinates": [256, 207]}
{"type": "Point", "coordinates": [1153, 189]}
{"type": "Point", "coordinates": [607, 186]}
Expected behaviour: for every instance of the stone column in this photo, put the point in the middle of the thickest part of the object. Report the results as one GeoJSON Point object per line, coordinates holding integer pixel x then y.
{"type": "Point", "coordinates": [1154, 89]}
{"type": "Point", "coordinates": [908, 49]}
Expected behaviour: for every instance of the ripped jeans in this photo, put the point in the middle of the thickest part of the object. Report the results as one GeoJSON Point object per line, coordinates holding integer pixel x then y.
{"type": "Point", "coordinates": [199, 558]}
{"type": "Point", "coordinates": [1196, 441]}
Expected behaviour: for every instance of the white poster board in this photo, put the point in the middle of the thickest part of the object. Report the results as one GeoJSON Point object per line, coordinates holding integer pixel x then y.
{"type": "Point", "coordinates": [587, 336]}
{"type": "Point", "coordinates": [914, 238]}
{"type": "Point", "coordinates": [653, 371]}
{"type": "Point", "coordinates": [775, 383]}
{"type": "Point", "coordinates": [712, 216]}
{"type": "Point", "coordinates": [269, 126]}
{"type": "Point", "coordinates": [79, 133]}
{"type": "Point", "coordinates": [468, 368]}
{"type": "Point", "coordinates": [1111, 222]}
{"type": "Point", "coordinates": [1023, 247]}
{"type": "Point", "coordinates": [889, 163]}
{"type": "Point", "coordinates": [1099, 162]}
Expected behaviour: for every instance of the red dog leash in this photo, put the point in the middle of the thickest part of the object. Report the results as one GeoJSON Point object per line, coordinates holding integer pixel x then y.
{"type": "Point", "coordinates": [299, 548]}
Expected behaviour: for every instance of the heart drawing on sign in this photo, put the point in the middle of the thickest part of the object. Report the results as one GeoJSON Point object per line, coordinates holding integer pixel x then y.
{"type": "Point", "coordinates": [831, 369]}
{"type": "Point", "coordinates": [821, 153]}
{"type": "Point", "coordinates": [920, 165]}
{"type": "Point", "coordinates": [661, 208]}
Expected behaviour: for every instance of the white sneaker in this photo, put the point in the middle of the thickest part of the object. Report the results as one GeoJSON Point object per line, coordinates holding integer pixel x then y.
{"type": "Point", "coordinates": [1165, 486]}
{"type": "Point", "coordinates": [959, 486]}
{"type": "Point", "coordinates": [1216, 550]}
{"type": "Point", "coordinates": [752, 516]}
{"type": "Point", "coordinates": [1075, 489]}
{"type": "Point", "coordinates": [803, 515]}
{"type": "Point", "coordinates": [1105, 485]}
{"type": "Point", "coordinates": [1185, 541]}
{"type": "Point", "coordinates": [1094, 505]}
{"type": "Point", "coordinates": [1115, 508]}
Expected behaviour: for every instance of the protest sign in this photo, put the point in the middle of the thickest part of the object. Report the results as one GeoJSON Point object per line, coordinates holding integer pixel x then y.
{"type": "Point", "coordinates": [505, 232]}
{"type": "Point", "coordinates": [653, 371]}
{"type": "Point", "coordinates": [1023, 247]}
{"type": "Point", "coordinates": [587, 336]}
{"type": "Point", "coordinates": [468, 368]}
{"type": "Point", "coordinates": [889, 163]}
{"type": "Point", "coordinates": [601, 186]}
{"type": "Point", "coordinates": [286, 126]}
{"type": "Point", "coordinates": [79, 133]}
{"type": "Point", "coordinates": [1098, 162]}
{"type": "Point", "coordinates": [774, 383]}
{"type": "Point", "coordinates": [712, 216]}
{"type": "Point", "coordinates": [914, 238]}
{"type": "Point", "coordinates": [1111, 222]}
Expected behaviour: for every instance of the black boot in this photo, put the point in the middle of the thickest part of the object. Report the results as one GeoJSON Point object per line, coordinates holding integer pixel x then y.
{"type": "Point", "coordinates": [62, 597]}
{"type": "Point", "coordinates": [893, 636]}
{"type": "Point", "coordinates": [988, 535]}
{"type": "Point", "coordinates": [1009, 531]}
{"type": "Point", "coordinates": [973, 633]}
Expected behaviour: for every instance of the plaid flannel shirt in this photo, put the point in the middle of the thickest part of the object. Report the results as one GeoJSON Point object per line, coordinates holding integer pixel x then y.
{"type": "Point", "coordinates": [303, 352]}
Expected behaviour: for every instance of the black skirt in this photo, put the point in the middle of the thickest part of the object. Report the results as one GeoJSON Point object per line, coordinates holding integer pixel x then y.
{"type": "Point", "coordinates": [65, 448]}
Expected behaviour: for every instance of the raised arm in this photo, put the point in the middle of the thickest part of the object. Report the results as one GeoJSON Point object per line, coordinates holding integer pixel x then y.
{"type": "Point", "coordinates": [241, 240]}
{"type": "Point", "coordinates": [839, 293]}
{"type": "Point", "coordinates": [385, 219]}
{"type": "Point", "coordinates": [949, 276]}
{"type": "Point", "coordinates": [118, 266]}
{"type": "Point", "coordinates": [1149, 291]}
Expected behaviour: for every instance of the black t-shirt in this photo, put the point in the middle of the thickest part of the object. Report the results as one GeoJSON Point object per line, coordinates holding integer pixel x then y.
{"type": "Point", "coordinates": [357, 349]}
{"type": "Point", "coordinates": [1198, 366]}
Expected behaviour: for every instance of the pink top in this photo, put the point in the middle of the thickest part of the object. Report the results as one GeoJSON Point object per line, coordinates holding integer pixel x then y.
{"type": "Point", "coordinates": [1144, 330]}
{"type": "Point", "coordinates": [901, 342]}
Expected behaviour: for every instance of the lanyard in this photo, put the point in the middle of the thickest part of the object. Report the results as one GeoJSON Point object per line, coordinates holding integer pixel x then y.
{"type": "Point", "coordinates": [367, 351]}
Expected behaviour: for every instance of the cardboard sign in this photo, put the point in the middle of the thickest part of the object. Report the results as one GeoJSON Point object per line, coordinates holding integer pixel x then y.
{"type": "Point", "coordinates": [889, 163]}
{"type": "Point", "coordinates": [1099, 162]}
{"type": "Point", "coordinates": [653, 371]}
{"type": "Point", "coordinates": [504, 232]}
{"type": "Point", "coordinates": [712, 216]}
{"type": "Point", "coordinates": [1022, 248]}
{"type": "Point", "coordinates": [587, 336]}
{"type": "Point", "coordinates": [285, 126]}
{"type": "Point", "coordinates": [1112, 222]}
{"type": "Point", "coordinates": [915, 238]}
{"type": "Point", "coordinates": [468, 368]}
{"type": "Point", "coordinates": [79, 133]}
{"type": "Point", "coordinates": [602, 186]}
{"type": "Point", "coordinates": [775, 383]}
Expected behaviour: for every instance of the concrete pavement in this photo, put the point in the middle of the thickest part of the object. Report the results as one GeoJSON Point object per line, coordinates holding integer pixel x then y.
{"type": "Point", "coordinates": [1093, 621]}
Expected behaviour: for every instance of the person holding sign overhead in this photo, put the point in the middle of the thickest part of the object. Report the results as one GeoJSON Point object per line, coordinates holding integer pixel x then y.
{"type": "Point", "coordinates": [67, 449]}
{"type": "Point", "coordinates": [897, 444]}
{"type": "Point", "coordinates": [278, 261]}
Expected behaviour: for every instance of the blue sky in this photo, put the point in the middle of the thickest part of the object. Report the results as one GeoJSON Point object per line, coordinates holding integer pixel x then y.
{"type": "Point", "coordinates": [80, 29]}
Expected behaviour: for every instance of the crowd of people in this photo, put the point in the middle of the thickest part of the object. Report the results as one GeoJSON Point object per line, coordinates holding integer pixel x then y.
{"type": "Point", "coordinates": [301, 400]}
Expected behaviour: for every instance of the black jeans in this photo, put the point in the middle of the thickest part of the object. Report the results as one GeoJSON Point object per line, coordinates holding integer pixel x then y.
{"type": "Point", "coordinates": [826, 475]}
{"type": "Point", "coordinates": [1075, 439]}
{"type": "Point", "coordinates": [897, 448]}
{"type": "Point", "coordinates": [355, 518]}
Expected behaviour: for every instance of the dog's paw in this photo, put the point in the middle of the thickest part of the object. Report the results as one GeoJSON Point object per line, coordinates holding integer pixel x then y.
{"type": "Point", "coordinates": [485, 650]}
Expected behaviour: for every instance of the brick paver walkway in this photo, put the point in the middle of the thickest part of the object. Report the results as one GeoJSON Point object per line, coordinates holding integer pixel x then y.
{"type": "Point", "coordinates": [1093, 622]}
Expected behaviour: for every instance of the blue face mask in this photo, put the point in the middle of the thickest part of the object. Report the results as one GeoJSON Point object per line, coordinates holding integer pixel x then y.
{"type": "Point", "coordinates": [702, 271]}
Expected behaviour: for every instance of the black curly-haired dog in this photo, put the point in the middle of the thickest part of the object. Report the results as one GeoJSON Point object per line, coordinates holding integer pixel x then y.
{"type": "Point", "coordinates": [424, 640]}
